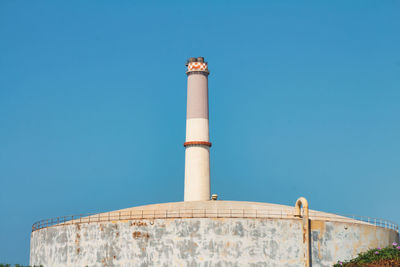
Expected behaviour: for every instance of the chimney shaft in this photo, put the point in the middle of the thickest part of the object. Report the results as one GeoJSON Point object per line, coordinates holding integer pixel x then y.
{"type": "Point", "coordinates": [197, 152]}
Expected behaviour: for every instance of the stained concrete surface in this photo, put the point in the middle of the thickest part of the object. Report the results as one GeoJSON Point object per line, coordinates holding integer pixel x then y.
{"type": "Point", "coordinates": [202, 242]}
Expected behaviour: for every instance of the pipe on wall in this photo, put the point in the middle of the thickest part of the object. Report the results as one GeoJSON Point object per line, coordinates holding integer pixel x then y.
{"type": "Point", "coordinates": [303, 203]}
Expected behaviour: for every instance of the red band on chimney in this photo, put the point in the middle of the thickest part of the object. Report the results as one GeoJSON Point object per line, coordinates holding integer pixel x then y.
{"type": "Point", "coordinates": [204, 143]}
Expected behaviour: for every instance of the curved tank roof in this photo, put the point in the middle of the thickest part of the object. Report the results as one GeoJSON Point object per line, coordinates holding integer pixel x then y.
{"type": "Point", "coordinates": [207, 209]}
{"type": "Point", "coordinates": [226, 209]}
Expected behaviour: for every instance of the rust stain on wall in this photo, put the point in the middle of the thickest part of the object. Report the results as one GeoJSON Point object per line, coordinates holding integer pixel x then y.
{"type": "Point", "coordinates": [77, 239]}
{"type": "Point", "coordinates": [320, 227]}
{"type": "Point", "coordinates": [138, 234]}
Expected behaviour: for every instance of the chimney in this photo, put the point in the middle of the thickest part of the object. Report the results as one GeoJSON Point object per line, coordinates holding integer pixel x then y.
{"type": "Point", "coordinates": [197, 145]}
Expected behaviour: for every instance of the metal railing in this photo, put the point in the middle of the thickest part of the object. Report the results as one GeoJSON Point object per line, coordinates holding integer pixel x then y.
{"type": "Point", "coordinates": [204, 213]}
{"type": "Point", "coordinates": [375, 221]}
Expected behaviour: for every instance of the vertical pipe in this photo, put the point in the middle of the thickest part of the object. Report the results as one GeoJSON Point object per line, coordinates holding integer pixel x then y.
{"type": "Point", "coordinates": [197, 145]}
{"type": "Point", "coordinates": [303, 203]}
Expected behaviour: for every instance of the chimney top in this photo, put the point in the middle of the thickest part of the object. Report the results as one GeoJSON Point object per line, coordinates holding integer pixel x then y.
{"type": "Point", "coordinates": [193, 59]}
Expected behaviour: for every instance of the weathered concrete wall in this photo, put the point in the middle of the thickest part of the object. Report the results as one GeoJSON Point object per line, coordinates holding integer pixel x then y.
{"type": "Point", "coordinates": [333, 241]}
{"type": "Point", "coordinates": [201, 242]}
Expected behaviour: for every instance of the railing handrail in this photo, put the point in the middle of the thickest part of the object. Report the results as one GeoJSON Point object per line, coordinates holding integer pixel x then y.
{"type": "Point", "coordinates": [202, 213]}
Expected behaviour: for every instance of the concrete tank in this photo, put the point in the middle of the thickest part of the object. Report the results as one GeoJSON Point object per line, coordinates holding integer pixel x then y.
{"type": "Point", "coordinates": [205, 233]}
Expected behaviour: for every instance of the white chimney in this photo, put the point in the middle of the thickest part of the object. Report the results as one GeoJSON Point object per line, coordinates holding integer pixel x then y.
{"type": "Point", "coordinates": [197, 153]}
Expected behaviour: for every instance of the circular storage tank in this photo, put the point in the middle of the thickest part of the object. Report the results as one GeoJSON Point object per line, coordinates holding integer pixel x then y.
{"type": "Point", "coordinates": [205, 233]}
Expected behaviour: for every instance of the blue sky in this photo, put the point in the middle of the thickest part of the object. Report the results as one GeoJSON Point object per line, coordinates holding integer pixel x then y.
{"type": "Point", "coordinates": [304, 101]}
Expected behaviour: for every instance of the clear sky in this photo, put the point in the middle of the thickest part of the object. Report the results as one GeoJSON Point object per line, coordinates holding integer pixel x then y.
{"type": "Point", "coordinates": [304, 101]}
